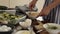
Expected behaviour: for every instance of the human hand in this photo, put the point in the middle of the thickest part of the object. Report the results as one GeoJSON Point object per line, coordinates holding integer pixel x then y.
{"type": "Point", "coordinates": [45, 11]}
{"type": "Point", "coordinates": [32, 4]}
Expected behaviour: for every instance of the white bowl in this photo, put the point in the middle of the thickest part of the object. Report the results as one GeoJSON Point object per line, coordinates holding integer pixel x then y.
{"type": "Point", "coordinates": [24, 32]}
{"type": "Point", "coordinates": [52, 31]}
{"type": "Point", "coordinates": [26, 23]}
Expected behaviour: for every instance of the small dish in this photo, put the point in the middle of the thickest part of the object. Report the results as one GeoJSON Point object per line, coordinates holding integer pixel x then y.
{"type": "Point", "coordinates": [52, 28]}
{"type": "Point", "coordinates": [6, 31]}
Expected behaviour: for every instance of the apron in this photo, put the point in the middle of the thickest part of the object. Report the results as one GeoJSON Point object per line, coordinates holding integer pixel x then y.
{"type": "Point", "coordinates": [54, 15]}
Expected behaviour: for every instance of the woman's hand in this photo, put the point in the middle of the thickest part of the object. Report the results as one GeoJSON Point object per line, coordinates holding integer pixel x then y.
{"type": "Point", "coordinates": [46, 10]}
{"type": "Point", "coordinates": [32, 4]}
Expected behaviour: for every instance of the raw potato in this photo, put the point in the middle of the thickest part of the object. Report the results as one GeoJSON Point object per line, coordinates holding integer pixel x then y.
{"type": "Point", "coordinates": [5, 22]}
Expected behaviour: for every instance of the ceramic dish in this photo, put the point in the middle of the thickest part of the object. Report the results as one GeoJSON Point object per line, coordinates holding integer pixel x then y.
{"type": "Point", "coordinates": [52, 28]}
{"type": "Point", "coordinates": [24, 32]}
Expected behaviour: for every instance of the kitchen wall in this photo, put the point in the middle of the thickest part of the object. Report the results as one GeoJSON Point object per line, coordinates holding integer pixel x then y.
{"type": "Point", "coordinates": [13, 3]}
{"type": "Point", "coordinates": [4, 3]}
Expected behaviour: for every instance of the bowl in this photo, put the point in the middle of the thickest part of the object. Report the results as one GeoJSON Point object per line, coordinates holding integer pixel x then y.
{"type": "Point", "coordinates": [10, 16]}
{"type": "Point", "coordinates": [52, 28]}
{"type": "Point", "coordinates": [6, 31]}
{"type": "Point", "coordinates": [24, 32]}
{"type": "Point", "coordinates": [16, 21]}
{"type": "Point", "coordinates": [32, 14]}
{"type": "Point", "coordinates": [25, 24]}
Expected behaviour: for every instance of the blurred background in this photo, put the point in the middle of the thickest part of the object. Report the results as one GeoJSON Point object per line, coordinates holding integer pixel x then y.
{"type": "Point", "coordinates": [13, 3]}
